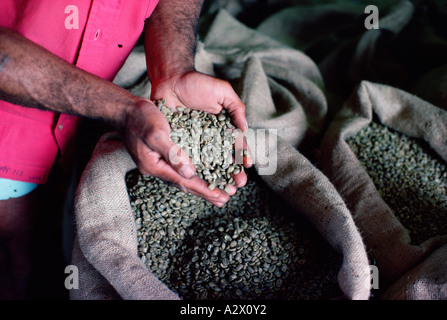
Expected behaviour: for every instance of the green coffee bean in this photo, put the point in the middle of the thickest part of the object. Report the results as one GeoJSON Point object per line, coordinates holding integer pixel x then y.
{"type": "Point", "coordinates": [255, 247]}
{"type": "Point", "coordinates": [410, 177]}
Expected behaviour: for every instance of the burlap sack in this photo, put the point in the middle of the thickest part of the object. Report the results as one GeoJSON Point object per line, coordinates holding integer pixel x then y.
{"type": "Point", "coordinates": [427, 281]}
{"type": "Point", "coordinates": [105, 249]}
{"type": "Point", "coordinates": [407, 51]}
{"type": "Point", "coordinates": [383, 234]}
{"type": "Point", "coordinates": [432, 87]}
{"type": "Point", "coordinates": [346, 52]}
{"type": "Point", "coordinates": [302, 185]}
{"type": "Point", "coordinates": [282, 90]}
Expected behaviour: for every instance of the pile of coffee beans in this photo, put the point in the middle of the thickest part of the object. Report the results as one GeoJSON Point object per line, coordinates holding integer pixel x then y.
{"type": "Point", "coordinates": [209, 141]}
{"type": "Point", "coordinates": [255, 247]}
{"type": "Point", "coordinates": [409, 175]}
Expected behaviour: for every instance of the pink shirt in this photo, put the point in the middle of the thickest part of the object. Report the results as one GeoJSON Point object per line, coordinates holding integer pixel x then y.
{"type": "Point", "coordinates": [107, 32]}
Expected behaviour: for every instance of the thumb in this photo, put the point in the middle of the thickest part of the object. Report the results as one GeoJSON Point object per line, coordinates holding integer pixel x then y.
{"type": "Point", "coordinates": [179, 160]}
{"type": "Point", "coordinates": [173, 155]}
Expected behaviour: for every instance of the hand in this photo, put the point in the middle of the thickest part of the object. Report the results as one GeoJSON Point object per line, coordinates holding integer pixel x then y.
{"type": "Point", "coordinates": [199, 91]}
{"type": "Point", "coordinates": [146, 136]}
{"type": "Point", "coordinates": [196, 90]}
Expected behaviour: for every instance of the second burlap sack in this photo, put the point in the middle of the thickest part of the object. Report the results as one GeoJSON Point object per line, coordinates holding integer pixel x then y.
{"type": "Point", "coordinates": [411, 271]}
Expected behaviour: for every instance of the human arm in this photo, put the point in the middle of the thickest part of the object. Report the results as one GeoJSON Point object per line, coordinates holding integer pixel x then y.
{"type": "Point", "coordinates": [170, 42]}
{"type": "Point", "coordinates": [32, 76]}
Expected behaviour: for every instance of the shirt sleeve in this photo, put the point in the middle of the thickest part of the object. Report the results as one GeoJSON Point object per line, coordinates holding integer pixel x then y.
{"type": "Point", "coordinates": [151, 8]}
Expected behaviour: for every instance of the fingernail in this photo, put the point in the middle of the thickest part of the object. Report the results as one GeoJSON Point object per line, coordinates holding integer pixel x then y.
{"type": "Point", "coordinates": [187, 172]}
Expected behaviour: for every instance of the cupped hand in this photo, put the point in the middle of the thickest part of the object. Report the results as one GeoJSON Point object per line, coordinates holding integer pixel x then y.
{"type": "Point", "coordinates": [199, 91]}
{"type": "Point", "coordinates": [146, 136]}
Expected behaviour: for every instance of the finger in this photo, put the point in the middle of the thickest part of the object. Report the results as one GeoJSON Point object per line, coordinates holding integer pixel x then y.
{"type": "Point", "coordinates": [199, 187]}
{"type": "Point", "coordinates": [155, 165]}
{"type": "Point", "coordinates": [152, 128]}
{"type": "Point", "coordinates": [234, 106]}
{"type": "Point", "coordinates": [241, 150]}
{"type": "Point", "coordinates": [194, 185]}
{"type": "Point", "coordinates": [230, 190]}
{"type": "Point", "coordinates": [236, 109]}
{"type": "Point", "coordinates": [230, 101]}
{"type": "Point", "coordinates": [240, 179]}
{"type": "Point", "coordinates": [159, 142]}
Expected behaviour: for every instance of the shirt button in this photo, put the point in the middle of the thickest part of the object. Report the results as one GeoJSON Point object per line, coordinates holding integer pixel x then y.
{"type": "Point", "coordinates": [60, 127]}
{"type": "Point", "coordinates": [97, 34]}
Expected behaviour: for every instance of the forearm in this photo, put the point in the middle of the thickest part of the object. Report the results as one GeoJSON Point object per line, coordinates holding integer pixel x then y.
{"type": "Point", "coordinates": [170, 38]}
{"type": "Point", "coordinates": [34, 77]}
